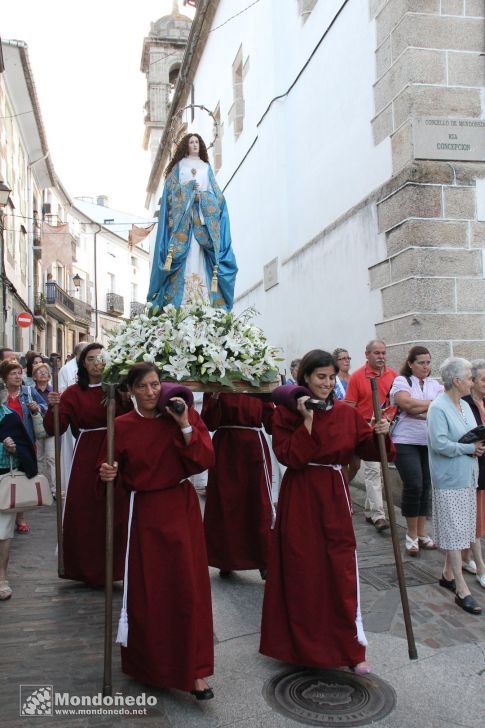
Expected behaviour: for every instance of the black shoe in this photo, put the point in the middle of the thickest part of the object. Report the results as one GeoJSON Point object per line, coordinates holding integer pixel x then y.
{"type": "Point", "coordinates": [369, 520]}
{"type": "Point", "coordinates": [381, 525]}
{"type": "Point", "coordinates": [264, 573]}
{"type": "Point", "coordinates": [447, 583]}
{"type": "Point", "coordinates": [205, 694]}
{"type": "Point", "coordinates": [468, 603]}
{"type": "Point", "coordinates": [224, 574]}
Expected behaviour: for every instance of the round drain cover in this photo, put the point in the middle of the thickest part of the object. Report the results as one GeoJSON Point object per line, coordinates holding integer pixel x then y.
{"type": "Point", "coordinates": [329, 697]}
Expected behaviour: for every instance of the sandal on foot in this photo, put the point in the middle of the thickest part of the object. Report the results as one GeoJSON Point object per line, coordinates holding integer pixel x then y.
{"type": "Point", "coordinates": [426, 543]}
{"type": "Point", "coordinates": [447, 583]}
{"type": "Point", "coordinates": [22, 528]}
{"type": "Point", "coordinates": [468, 603]}
{"type": "Point", "coordinates": [469, 566]}
{"type": "Point", "coordinates": [363, 668]}
{"type": "Point", "coordinates": [412, 545]}
{"type": "Point", "coordinates": [5, 591]}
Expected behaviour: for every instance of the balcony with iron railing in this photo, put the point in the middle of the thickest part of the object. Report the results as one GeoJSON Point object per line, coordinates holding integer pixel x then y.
{"type": "Point", "coordinates": [40, 310]}
{"type": "Point", "coordinates": [115, 304]}
{"type": "Point", "coordinates": [82, 311]}
{"type": "Point", "coordinates": [136, 308]}
{"type": "Point", "coordinates": [63, 307]}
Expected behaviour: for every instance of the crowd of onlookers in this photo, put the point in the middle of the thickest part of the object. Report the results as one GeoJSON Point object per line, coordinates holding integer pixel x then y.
{"type": "Point", "coordinates": [443, 479]}
{"type": "Point", "coordinates": [25, 382]}
{"type": "Point", "coordinates": [324, 430]}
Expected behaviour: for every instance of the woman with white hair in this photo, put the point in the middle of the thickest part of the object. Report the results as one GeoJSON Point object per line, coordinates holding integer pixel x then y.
{"type": "Point", "coordinates": [454, 475]}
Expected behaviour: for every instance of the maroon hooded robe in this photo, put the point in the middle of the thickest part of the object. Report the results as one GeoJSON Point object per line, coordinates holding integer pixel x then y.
{"type": "Point", "coordinates": [170, 634]}
{"type": "Point", "coordinates": [84, 522]}
{"type": "Point", "coordinates": [310, 610]}
{"type": "Point", "coordinates": [238, 509]}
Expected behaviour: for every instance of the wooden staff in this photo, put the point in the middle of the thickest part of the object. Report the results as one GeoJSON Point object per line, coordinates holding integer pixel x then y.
{"type": "Point", "coordinates": [57, 452]}
{"type": "Point", "coordinates": [381, 440]}
{"type": "Point", "coordinates": [108, 601]}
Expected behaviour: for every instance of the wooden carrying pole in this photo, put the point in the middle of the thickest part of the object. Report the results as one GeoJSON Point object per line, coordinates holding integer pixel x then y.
{"type": "Point", "coordinates": [108, 601]}
{"type": "Point", "coordinates": [413, 654]}
{"type": "Point", "coordinates": [57, 454]}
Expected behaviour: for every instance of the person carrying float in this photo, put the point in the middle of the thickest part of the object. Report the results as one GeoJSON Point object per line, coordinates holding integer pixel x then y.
{"type": "Point", "coordinates": [166, 623]}
{"type": "Point", "coordinates": [82, 407]}
{"type": "Point", "coordinates": [311, 610]}
{"type": "Point", "coordinates": [239, 512]}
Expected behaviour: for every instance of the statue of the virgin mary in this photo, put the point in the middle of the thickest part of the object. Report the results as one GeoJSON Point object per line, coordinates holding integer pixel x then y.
{"type": "Point", "coordinates": [193, 256]}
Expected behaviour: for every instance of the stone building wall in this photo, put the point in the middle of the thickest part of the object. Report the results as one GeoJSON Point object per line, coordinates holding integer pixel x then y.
{"type": "Point", "coordinates": [430, 62]}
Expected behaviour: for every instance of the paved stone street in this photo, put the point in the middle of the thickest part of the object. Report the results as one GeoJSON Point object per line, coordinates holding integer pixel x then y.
{"type": "Point", "coordinates": [52, 633]}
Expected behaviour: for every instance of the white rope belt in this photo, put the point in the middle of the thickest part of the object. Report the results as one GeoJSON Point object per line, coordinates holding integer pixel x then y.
{"type": "Point", "coordinates": [361, 638]}
{"type": "Point", "coordinates": [267, 477]}
{"type": "Point", "coordinates": [122, 636]}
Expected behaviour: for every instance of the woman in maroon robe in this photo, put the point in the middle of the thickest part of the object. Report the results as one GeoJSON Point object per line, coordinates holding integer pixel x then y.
{"type": "Point", "coordinates": [239, 511]}
{"type": "Point", "coordinates": [166, 624]}
{"type": "Point", "coordinates": [311, 610]}
{"type": "Point", "coordinates": [84, 520]}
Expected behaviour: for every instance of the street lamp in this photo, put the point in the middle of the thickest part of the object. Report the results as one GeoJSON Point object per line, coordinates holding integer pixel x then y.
{"type": "Point", "coordinates": [77, 281]}
{"type": "Point", "coordinates": [4, 196]}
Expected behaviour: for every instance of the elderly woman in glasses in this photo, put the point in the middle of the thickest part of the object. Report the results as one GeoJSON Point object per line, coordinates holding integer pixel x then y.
{"type": "Point", "coordinates": [454, 475]}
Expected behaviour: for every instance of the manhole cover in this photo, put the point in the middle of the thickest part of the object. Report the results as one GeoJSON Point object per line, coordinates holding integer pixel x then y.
{"type": "Point", "coordinates": [385, 576]}
{"type": "Point", "coordinates": [329, 697]}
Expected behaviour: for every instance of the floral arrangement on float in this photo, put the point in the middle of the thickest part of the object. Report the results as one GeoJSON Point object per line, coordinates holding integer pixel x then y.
{"type": "Point", "coordinates": [207, 348]}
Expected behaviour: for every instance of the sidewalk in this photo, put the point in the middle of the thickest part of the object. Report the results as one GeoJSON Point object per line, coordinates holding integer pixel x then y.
{"type": "Point", "coordinates": [51, 633]}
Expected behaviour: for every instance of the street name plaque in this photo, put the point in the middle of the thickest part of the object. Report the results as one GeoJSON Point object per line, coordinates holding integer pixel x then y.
{"type": "Point", "coordinates": [454, 139]}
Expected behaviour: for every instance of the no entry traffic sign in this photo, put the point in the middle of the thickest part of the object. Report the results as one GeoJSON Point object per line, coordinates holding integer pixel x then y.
{"type": "Point", "coordinates": [24, 319]}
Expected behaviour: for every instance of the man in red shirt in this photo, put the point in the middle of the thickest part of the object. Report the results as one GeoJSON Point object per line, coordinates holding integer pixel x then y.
{"type": "Point", "coordinates": [359, 395]}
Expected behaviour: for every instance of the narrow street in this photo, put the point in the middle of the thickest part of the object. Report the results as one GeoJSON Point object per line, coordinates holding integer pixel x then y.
{"type": "Point", "coordinates": [52, 634]}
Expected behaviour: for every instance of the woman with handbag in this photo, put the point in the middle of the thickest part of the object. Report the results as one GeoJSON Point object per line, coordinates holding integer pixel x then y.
{"type": "Point", "coordinates": [413, 391]}
{"type": "Point", "coordinates": [16, 451]}
{"type": "Point", "coordinates": [28, 404]}
{"type": "Point", "coordinates": [166, 625]}
{"type": "Point", "coordinates": [454, 475]}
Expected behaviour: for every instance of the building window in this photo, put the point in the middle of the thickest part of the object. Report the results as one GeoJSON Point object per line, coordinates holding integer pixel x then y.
{"type": "Point", "coordinates": [217, 150]}
{"type": "Point", "coordinates": [172, 81]}
{"type": "Point", "coordinates": [236, 112]}
{"type": "Point", "coordinates": [111, 283]}
{"type": "Point", "coordinates": [134, 292]}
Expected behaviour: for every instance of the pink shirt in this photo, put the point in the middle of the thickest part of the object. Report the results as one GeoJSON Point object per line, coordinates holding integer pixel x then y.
{"type": "Point", "coordinates": [411, 430]}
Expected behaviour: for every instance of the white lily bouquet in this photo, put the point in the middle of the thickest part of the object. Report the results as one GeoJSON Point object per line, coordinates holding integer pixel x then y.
{"type": "Point", "coordinates": [195, 342]}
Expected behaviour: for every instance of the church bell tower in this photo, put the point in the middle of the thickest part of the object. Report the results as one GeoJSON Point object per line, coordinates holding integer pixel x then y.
{"type": "Point", "coordinates": [163, 50]}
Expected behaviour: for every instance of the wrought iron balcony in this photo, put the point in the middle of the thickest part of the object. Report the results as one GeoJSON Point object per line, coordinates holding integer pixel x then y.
{"type": "Point", "coordinates": [82, 311]}
{"type": "Point", "coordinates": [60, 304]}
{"type": "Point", "coordinates": [115, 304]}
{"type": "Point", "coordinates": [136, 307]}
{"type": "Point", "coordinates": [40, 310]}
{"type": "Point", "coordinates": [63, 307]}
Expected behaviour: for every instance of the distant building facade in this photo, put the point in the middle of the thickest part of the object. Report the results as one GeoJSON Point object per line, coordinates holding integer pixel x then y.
{"type": "Point", "coordinates": [68, 263]}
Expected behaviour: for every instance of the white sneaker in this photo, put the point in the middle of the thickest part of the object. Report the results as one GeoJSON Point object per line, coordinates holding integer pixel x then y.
{"type": "Point", "coordinates": [481, 580]}
{"type": "Point", "coordinates": [469, 566]}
